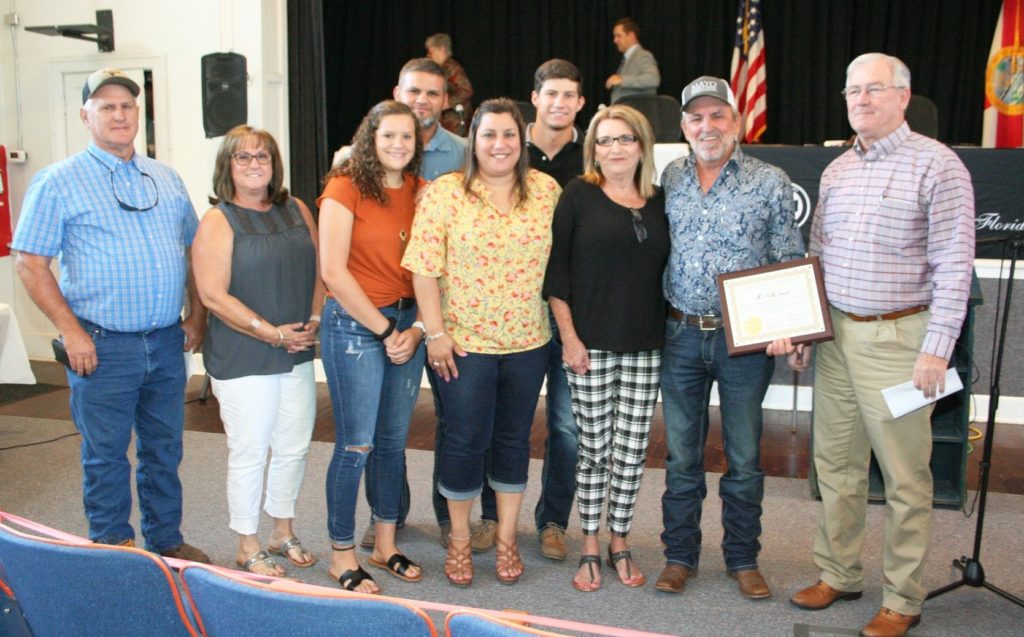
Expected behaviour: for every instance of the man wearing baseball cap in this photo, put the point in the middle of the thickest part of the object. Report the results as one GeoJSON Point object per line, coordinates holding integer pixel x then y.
{"type": "Point", "coordinates": [727, 212]}
{"type": "Point", "coordinates": [121, 224]}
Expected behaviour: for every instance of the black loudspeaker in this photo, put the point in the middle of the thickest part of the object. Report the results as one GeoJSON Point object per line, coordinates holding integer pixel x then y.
{"type": "Point", "coordinates": [225, 98]}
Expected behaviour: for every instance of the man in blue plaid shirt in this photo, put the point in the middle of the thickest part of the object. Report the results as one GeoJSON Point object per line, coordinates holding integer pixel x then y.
{"type": "Point", "coordinates": [121, 225]}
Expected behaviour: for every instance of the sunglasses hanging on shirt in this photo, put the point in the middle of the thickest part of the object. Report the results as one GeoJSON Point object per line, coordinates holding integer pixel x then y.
{"type": "Point", "coordinates": [152, 193]}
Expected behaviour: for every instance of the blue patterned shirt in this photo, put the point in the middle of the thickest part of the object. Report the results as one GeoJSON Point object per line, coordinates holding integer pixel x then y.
{"type": "Point", "coordinates": [120, 269]}
{"type": "Point", "coordinates": [746, 220]}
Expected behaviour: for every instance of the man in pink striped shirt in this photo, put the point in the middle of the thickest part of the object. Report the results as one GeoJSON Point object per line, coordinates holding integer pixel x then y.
{"type": "Point", "coordinates": [895, 232]}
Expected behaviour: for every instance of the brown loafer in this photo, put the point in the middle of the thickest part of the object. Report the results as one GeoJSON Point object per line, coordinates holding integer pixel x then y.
{"type": "Point", "coordinates": [369, 537]}
{"type": "Point", "coordinates": [482, 535]}
{"type": "Point", "coordinates": [673, 578]}
{"type": "Point", "coordinates": [820, 596]}
{"type": "Point", "coordinates": [889, 623]}
{"type": "Point", "coordinates": [752, 584]}
{"type": "Point", "coordinates": [552, 542]}
{"type": "Point", "coordinates": [186, 552]}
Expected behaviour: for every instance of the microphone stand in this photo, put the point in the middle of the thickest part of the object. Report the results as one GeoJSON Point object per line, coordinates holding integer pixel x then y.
{"type": "Point", "coordinates": [972, 573]}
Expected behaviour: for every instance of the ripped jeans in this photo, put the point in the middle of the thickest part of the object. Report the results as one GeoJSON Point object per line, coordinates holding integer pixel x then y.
{"type": "Point", "coordinates": [373, 401]}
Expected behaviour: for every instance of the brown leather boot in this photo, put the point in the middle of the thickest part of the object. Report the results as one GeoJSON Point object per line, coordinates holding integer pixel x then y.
{"type": "Point", "coordinates": [889, 623]}
{"type": "Point", "coordinates": [673, 578]}
{"type": "Point", "coordinates": [820, 596]}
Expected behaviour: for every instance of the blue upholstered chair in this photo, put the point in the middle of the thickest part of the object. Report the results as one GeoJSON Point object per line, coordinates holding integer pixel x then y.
{"type": "Point", "coordinates": [74, 589]}
{"type": "Point", "coordinates": [227, 605]}
{"type": "Point", "coordinates": [466, 623]}
{"type": "Point", "coordinates": [12, 620]}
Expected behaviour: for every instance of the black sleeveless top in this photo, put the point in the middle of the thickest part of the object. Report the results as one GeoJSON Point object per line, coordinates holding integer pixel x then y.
{"type": "Point", "coordinates": [273, 271]}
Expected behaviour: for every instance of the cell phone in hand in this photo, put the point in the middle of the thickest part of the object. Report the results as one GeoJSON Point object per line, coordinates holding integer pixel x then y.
{"type": "Point", "coordinates": [60, 354]}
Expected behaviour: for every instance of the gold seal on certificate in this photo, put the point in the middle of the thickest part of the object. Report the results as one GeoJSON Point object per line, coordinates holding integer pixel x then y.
{"type": "Point", "coordinates": [775, 301]}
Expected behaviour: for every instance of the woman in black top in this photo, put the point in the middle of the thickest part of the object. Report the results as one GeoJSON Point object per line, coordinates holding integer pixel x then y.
{"type": "Point", "coordinates": [603, 282]}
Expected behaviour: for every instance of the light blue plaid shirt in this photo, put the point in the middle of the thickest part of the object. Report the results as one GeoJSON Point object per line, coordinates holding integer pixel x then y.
{"type": "Point", "coordinates": [121, 269]}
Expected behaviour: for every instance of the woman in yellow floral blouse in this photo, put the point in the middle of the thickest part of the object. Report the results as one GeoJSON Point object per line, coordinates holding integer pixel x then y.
{"type": "Point", "coordinates": [479, 246]}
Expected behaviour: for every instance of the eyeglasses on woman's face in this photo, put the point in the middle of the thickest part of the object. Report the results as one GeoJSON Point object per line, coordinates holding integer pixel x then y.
{"type": "Point", "coordinates": [244, 159]}
{"type": "Point", "coordinates": [624, 140]}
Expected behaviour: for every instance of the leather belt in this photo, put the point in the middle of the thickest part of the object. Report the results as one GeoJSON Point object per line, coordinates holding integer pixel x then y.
{"type": "Point", "coordinates": [401, 304]}
{"type": "Point", "coordinates": [889, 316]}
{"type": "Point", "coordinates": [703, 321]}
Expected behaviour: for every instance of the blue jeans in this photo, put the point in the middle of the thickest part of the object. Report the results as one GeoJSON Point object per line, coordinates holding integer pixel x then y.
{"type": "Point", "coordinates": [373, 401]}
{"type": "Point", "coordinates": [439, 502]}
{"type": "Point", "coordinates": [691, 360]}
{"type": "Point", "coordinates": [139, 384]}
{"type": "Point", "coordinates": [558, 475]}
{"type": "Point", "coordinates": [490, 405]}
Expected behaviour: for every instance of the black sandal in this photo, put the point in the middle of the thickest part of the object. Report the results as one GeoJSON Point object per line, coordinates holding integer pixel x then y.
{"type": "Point", "coordinates": [591, 561]}
{"type": "Point", "coordinates": [398, 565]}
{"type": "Point", "coordinates": [615, 558]}
{"type": "Point", "coordinates": [353, 577]}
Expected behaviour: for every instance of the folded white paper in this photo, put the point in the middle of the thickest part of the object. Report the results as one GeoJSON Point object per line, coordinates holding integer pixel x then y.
{"type": "Point", "coordinates": [905, 398]}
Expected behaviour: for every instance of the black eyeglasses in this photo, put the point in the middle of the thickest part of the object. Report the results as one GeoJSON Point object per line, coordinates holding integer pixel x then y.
{"type": "Point", "coordinates": [244, 159]}
{"type": "Point", "coordinates": [149, 187]}
{"type": "Point", "coordinates": [638, 225]}
{"type": "Point", "coordinates": [624, 140]}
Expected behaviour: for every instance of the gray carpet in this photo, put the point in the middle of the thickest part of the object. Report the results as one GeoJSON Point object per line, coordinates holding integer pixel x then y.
{"type": "Point", "coordinates": [43, 483]}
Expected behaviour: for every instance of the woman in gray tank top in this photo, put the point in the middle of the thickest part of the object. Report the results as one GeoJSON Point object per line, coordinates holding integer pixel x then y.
{"type": "Point", "coordinates": [255, 265]}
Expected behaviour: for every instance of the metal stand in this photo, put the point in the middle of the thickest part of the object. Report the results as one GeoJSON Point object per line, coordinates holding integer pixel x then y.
{"type": "Point", "coordinates": [796, 393]}
{"type": "Point", "coordinates": [972, 572]}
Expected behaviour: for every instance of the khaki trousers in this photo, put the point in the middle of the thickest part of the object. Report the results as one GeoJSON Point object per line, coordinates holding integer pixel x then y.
{"type": "Point", "coordinates": [851, 420]}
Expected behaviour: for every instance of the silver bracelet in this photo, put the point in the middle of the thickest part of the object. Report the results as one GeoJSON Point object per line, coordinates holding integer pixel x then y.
{"type": "Point", "coordinates": [314, 317]}
{"type": "Point", "coordinates": [433, 337]}
{"type": "Point", "coordinates": [280, 337]}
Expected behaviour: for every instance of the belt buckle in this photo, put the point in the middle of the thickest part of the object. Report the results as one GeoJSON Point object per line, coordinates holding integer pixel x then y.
{"type": "Point", "coordinates": [706, 328]}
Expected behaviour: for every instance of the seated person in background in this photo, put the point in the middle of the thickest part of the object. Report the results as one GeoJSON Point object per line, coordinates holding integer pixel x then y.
{"type": "Point", "coordinates": [460, 90]}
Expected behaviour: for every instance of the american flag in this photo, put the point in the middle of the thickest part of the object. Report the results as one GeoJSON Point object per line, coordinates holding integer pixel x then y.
{"type": "Point", "coordinates": [748, 74]}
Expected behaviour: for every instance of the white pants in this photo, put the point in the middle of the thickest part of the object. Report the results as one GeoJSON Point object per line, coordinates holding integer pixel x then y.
{"type": "Point", "coordinates": [273, 412]}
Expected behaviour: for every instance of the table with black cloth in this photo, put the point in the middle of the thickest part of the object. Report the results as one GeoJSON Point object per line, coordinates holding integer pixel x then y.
{"type": "Point", "coordinates": [996, 174]}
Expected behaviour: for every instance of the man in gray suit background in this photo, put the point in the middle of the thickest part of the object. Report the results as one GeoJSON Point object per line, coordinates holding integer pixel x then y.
{"type": "Point", "coordinates": [638, 73]}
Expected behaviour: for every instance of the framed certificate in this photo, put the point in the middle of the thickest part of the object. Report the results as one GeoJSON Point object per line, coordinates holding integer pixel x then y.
{"type": "Point", "coordinates": [776, 301]}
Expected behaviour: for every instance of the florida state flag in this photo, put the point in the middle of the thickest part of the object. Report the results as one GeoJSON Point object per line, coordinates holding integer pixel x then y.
{"type": "Point", "coordinates": [1004, 81]}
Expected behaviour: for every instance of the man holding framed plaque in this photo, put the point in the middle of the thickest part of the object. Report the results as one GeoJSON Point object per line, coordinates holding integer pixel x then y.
{"type": "Point", "coordinates": [727, 211]}
{"type": "Point", "coordinates": [895, 232]}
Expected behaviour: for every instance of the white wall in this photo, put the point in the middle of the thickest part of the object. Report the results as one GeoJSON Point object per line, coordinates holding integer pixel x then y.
{"type": "Point", "coordinates": [179, 33]}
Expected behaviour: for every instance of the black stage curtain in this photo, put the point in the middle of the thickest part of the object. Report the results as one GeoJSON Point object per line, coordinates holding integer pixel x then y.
{"type": "Point", "coordinates": [308, 119]}
{"type": "Point", "coordinates": [808, 44]}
